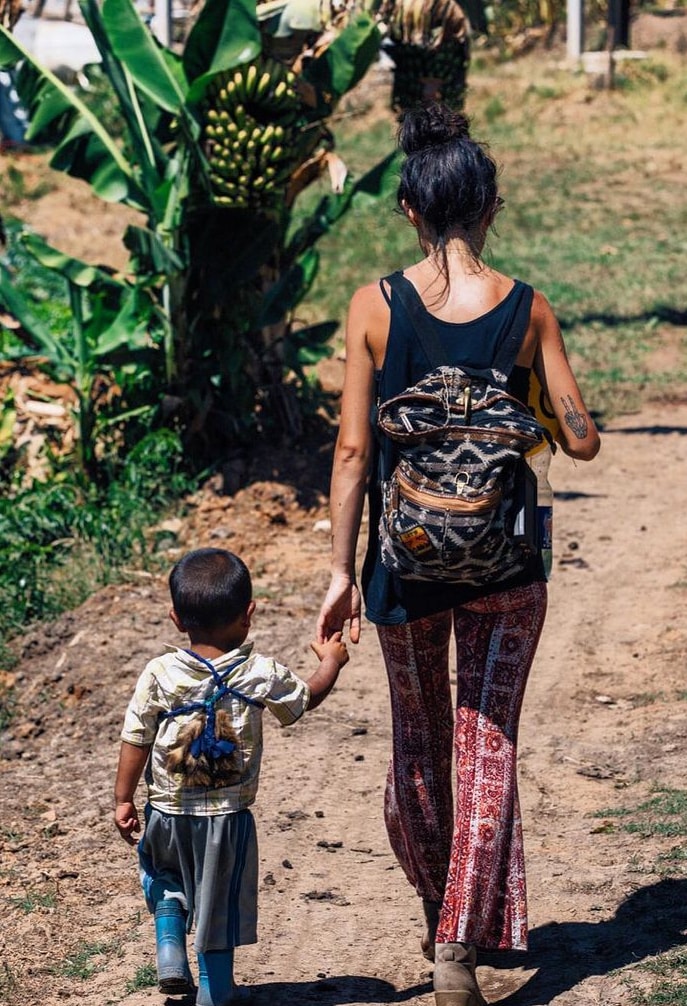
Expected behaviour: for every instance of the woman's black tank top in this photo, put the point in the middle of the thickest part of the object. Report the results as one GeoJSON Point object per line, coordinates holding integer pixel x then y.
{"type": "Point", "coordinates": [389, 599]}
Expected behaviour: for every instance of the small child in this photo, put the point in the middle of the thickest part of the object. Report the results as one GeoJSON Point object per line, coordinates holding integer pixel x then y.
{"type": "Point", "coordinates": [195, 724]}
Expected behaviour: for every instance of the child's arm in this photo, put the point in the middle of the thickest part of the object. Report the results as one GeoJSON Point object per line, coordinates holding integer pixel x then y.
{"type": "Point", "coordinates": [132, 760]}
{"type": "Point", "coordinates": [333, 655]}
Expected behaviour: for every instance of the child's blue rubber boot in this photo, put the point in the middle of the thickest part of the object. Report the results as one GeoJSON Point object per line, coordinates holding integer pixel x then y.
{"type": "Point", "coordinates": [215, 978]}
{"type": "Point", "coordinates": [173, 973]}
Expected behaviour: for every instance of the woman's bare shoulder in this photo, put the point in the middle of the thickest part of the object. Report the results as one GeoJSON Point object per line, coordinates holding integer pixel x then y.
{"type": "Point", "coordinates": [367, 297]}
{"type": "Point", "coordinates": [542, 312]}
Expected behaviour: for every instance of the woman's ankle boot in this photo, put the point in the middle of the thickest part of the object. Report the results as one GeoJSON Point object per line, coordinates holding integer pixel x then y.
{"type": "Point", "coordinates": [215, 978]}
{"type": "Point", "coordinates": [432, 910]}
{"type": "Point", "coordinates": [173, 974]}
{"type": "Point", "coordinates": [455, 983]}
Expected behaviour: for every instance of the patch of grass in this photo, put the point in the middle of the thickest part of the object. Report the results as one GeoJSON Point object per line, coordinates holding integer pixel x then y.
{"type": "Point", "coordinates": [8, 699]}
{"type": "Point", "coordinates": [671, 989]}
{"type": "Point", "coordinates": [81, 964]}
{"type": "Point", "coordinates": [8, 982]}
{"type": "Point", "coordinates": [16, 188]}
{"type": "Point", "coordinates": [678, 854]}
{"type": "Point", "coordinates": [663, 815]}
{"type": "Point", "coordinates": [9, 834]}
{"type": "Point", "coordinates": [647, 698]}
{"type": "Point", "coordinates": [145, 977]}
{"type": "Point", "coordinates": [582, 212]}
{"type": "Point", "coordinates": [31, 900]}
{"type": "Point", "coordinates": [545, 91]}
{"type": "Point", "coordinates": [61, 540]}
{"type": "Point", "coordinates": [494, 110]}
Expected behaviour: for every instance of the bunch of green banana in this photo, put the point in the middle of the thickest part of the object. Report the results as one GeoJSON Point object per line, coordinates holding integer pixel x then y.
{"type": "Point", "coordinates": [251, 124]}
{"type": "Point", "coordinates": [416, 67]}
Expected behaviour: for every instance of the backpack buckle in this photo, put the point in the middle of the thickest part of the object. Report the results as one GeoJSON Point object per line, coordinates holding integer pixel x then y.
{"type": "Point", "coordinates": [462, 483]}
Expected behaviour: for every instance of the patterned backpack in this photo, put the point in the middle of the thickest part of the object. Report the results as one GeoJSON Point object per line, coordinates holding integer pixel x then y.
{"type": "Point", "coordinates": [460, 503]}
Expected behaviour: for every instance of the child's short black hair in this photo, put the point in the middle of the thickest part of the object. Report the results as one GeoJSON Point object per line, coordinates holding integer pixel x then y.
{"type": "Point", "coordinates": [209, 587]}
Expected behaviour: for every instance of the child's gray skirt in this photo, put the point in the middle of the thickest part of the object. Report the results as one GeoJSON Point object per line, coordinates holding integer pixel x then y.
{"type": "Point", "coordinates": [210, 864]}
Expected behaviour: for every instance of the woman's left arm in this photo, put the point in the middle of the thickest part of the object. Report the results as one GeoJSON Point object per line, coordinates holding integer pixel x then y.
{"type": "Point", "coordinates": [578, 434]}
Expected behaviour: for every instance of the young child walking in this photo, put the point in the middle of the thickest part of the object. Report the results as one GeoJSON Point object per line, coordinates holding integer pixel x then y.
{"type": "Point", "coordinates": [194, 724]}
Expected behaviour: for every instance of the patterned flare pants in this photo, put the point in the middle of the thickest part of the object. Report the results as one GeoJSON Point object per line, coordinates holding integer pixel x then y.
{"type": "Point", "coordinates": [472, 863]}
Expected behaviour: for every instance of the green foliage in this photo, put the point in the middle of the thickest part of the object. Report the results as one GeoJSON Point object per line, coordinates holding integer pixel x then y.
{"type": "Point", "coordinates": [664, 814]}
{"type": "Point", "coordinates": [187, 320]}
{"type": "Point", "coordinates": [145, 978]}
{"type": "Point", "coordinates": [61, 540]}
{"type": "Point", "coordinates": [81, 963]}
{"type": "Point", "coordinates": [7, 696]}
{"type": "Point", "coordinates": [8, 981]}
{"type": "Point", "coordinates": [14, 190]}
{"type": "Point", "coordinates": [33, 900]}
{"type": "Point", "coordinates": [109, 332]}
{"type": "Point", "coordinates": [671, 989]}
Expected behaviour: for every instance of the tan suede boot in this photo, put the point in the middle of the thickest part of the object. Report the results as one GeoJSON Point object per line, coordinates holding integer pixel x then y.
{"type": "Point", "coordinates": [455, 983]}
{"type": "Point", "coordinates": [431, 910]}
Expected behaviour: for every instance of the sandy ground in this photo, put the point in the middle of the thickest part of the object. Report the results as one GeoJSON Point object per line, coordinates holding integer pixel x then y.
{"type": "Point", "coordinates": [604, 724]}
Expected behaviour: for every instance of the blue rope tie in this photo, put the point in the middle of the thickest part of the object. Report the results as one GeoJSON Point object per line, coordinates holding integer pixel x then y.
{"type": "Point", "coordinates": [208, 743]}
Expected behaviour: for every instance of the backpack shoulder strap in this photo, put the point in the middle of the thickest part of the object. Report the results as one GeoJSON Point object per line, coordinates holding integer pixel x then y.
{"type": "Point", "coordinates": [417, 313]}
{"type": "Point", "coordinates": [507, 352]}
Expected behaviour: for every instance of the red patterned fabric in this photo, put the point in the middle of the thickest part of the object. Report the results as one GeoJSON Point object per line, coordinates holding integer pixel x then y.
{"type": "Point", "coordinates": [473, 863]}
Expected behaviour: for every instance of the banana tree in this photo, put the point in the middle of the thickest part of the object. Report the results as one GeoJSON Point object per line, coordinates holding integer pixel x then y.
{"type": "Point", "coordinates": [109, 334]}
{"type": "Point", "coordinates": [219, 142]}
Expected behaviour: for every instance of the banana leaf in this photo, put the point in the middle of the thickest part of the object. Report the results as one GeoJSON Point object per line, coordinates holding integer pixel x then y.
{"type": "Point", "coordinates": [307, 346]}
{"type": "Point", "coordinates": [35, 334]}
{"type": "Point", "coordinates": [148, 249]}
{"type": "Point", "coordinates": [343, 63]}
{"type": "Point", "coordinates": [73, 269]}
{"type": "Point", "coordinates": [138, 50]}
{"type": "Point", "coordinates": [141, 119]}
{"type": "Point", "coordinates": [127, 330]}
{"type": "Point", "coordinates": [118, 318]}
{"type": "Point", "coordinates": [225, 35]}
{"type": "Point", "coordinates": [290, 289]}
{"type": "Point", "coordinates": [86, 151]}
{"type": "Point", "coordinates": [380, 182]}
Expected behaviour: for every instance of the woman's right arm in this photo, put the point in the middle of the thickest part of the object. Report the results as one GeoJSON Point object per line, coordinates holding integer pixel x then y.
{"type": "Point", "coordinates": [350, 472]}
{"type": "Point", "coordinates": [578, 435]}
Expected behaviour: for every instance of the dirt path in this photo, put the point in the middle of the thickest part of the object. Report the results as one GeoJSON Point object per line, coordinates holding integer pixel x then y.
{"type": "Point", "coordinates": [604, 722]}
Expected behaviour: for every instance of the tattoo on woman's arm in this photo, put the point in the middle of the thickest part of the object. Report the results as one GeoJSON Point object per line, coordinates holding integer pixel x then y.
{"type": "Point", "coordinates": [574, 419]}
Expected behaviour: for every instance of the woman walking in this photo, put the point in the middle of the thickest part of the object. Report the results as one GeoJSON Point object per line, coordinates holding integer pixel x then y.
{"type": "Point", "coordinates": [463, 854]}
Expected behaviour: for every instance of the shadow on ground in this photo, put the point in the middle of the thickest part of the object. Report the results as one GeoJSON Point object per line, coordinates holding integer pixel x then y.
{"type": "Point", "coordinates": [650, 921]}
{"type": "Point", "coordinates": [337, 990]}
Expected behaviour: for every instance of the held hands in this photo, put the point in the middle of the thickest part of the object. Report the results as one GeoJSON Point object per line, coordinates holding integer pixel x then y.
{"type": "Point", "coordinates": [334, 648]}
{"type": "Point", "coordinates": [127, 822]}
{"type": "Point", "coordinates": [341, 605]}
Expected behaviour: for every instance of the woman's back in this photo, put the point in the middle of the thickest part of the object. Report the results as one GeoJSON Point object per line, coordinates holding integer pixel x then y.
{"type": "Point", "coordinates": [475, 301]}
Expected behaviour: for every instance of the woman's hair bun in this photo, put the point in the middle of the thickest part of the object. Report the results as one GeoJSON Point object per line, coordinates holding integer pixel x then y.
{"type": "Point", "coordinates": [431, 126]}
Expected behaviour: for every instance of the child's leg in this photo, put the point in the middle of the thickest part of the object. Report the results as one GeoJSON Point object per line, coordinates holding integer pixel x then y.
{"type": "Point", "coordinates": [167, 902]}
{"type": "Point", "coordinates": [215, 977]}
{"type": "Point", "coordinates": [173, 974]}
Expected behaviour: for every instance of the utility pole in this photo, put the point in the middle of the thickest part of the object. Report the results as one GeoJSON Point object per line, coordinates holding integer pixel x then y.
{"type": "Point", "coordinates": [575, 28]}
{"type": "Point", "coordinates": [162, 22]}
